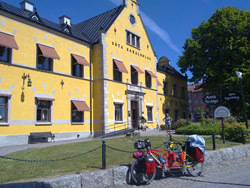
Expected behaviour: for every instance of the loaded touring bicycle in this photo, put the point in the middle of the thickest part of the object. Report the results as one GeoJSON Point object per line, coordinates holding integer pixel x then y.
{"type": "Point", "coordinates": [190, 158]}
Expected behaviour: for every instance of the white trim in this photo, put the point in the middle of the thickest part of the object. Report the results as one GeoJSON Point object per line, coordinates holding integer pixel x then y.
{"type": "Point", "coordinates": [23, 65]}
{"type": "Point", "coordinates": [43, 123]}
{"type": "Point", "coordinates": [77, 99]}
{"type": "Point", "coordinates": [45, 45]}
{"type": "Point", "coordinates": [6, 33]}
{"type": "Point", "coordinates": [62, 73]}
{"type": "Point", "coordinates": [114, 121]}
{"type": "Point", "coordinates": [118, 100]}
{"type": "Point", "coordinates": [117, 59]}
{"type": "Point", "coordinates": [77, 54]}
{"type": "Point", "coordinates": [7, 92]}
{"type": "Point", "coordinates": [152, 114]}
{"type": "Point", "coordinates": [132, 32]}
{"type": "Point", "coordinates": [41, 95]}
{"type": "Point", "coordinates": [150, 104]}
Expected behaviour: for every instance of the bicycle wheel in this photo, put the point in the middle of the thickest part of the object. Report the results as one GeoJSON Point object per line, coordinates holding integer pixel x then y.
{"type": "Point", "coordinates": [194, 168]}
{"type": "Point", "coordinates": [138, 173]}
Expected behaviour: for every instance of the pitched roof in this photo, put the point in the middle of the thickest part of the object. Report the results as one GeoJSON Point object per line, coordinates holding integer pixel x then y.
{"type": "Point", "coordinates": [92, 26]}
{"type": "Point", "coordinates": [87, 31]}
{"type": "Point", "coordinates": [170, 70]}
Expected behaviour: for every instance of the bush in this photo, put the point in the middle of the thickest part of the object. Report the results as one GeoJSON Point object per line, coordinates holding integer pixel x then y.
{"type": "Point", "coordinates": [233, 132]}
{"type": "Point", "coordinates": [181, 123]}
{"type": "Point", "coordinates": [198, 128]}
{"type": "Point", "coordinates": [230, 120]}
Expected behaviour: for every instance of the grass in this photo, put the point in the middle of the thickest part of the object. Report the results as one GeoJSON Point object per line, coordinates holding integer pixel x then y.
{"type": "Point", "coordinates": [16, 171]}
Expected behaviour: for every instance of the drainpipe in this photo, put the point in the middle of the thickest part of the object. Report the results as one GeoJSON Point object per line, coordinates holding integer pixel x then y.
{"type": "Point", "coordinates": [91, 92]}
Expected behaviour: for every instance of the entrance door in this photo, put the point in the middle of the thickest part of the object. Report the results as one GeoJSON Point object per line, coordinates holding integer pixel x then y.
{"type": "Point", "coordinates": [134, 114]}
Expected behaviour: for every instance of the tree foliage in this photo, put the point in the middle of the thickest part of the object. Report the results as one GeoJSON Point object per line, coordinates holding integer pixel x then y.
{"type": "Point", "coordinates": [218, 48]}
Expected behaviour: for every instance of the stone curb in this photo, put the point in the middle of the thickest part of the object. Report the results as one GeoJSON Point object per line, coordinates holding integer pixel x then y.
{"type": "Point", "coordinates": [119, 176]}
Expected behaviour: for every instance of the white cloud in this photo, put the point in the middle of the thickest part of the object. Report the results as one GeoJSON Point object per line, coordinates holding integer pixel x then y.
{"type": "Point", "coordinates": [160, 32]}
{"type": "Point", "coordinates": [156, 29]}
{"type": "Point", "coordinates": [116, 2]}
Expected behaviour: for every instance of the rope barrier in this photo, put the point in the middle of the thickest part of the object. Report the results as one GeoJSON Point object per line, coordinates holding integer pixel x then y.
{"type": "Point", "coordinates": [53, 160]}
{"type": "Point", "coordinates": [119, 149]}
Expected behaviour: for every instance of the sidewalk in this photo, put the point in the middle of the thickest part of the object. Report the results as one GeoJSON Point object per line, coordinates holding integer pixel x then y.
{"type": "Point", "coordinates": [10, 149]}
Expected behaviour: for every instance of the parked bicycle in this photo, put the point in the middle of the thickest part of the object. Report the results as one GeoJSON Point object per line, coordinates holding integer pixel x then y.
{"type": "Point", "coordinates": [176, 156]}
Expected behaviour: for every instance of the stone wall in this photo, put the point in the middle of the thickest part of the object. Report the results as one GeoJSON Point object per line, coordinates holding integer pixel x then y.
{"type": "Point", "coordinates": [119, 176]}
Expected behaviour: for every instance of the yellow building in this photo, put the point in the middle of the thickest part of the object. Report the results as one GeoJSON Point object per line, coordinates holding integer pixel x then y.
{"type": "Point", "coordinates": [77, 80]}
{"type": "Point", "coordinates": [172, 92]}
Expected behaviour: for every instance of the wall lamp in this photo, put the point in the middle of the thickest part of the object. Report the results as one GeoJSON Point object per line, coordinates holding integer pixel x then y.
{"type": "Point", "coordinates": [62, 83]}
{"type": "Point", "coordinates": [24, 77]}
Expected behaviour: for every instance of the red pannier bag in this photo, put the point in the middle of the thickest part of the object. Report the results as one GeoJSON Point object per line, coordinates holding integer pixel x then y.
{"type": "Point", "coordinates": [150, 165]}
{"type": "Point", "coordinates": [199, 155]}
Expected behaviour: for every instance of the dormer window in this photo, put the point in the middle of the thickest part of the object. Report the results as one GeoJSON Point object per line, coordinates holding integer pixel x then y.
{"type": "Point", "coordinates": [65, 20]}
{"type": "Point", "coordinates": [27, 6]}
{"type": "Point", "coordinates": [35, 18]}
{"type": "Point", "coordinates": [66, 30]}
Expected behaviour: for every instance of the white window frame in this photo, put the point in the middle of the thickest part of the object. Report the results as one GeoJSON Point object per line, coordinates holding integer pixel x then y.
{"type": "Point", "coordinates": [150, 106]}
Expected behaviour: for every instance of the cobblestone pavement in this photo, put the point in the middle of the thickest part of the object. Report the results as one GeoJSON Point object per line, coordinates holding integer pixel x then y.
{"type": "Point", "coordinates": [229, 174]}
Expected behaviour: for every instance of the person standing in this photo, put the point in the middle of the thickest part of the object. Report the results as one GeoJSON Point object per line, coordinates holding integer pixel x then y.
{"type": "Point", "coordinates": [168, 120]}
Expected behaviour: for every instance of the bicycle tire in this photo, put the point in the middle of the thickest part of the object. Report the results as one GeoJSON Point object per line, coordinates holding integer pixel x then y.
{"type": "Point", "coordinates": [194, 168]}
{"type": "Point", "coordinates": [138, 173]}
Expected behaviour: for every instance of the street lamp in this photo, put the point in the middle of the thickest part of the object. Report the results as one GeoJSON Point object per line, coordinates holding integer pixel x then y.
{"type": "Point", "coordinates": [239, 75]}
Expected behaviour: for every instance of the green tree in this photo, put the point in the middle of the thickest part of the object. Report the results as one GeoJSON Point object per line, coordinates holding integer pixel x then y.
{"type": "Point", "coordinates": [218, 48]}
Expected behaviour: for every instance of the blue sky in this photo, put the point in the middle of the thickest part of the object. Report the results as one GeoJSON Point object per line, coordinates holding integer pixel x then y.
{"type": "Point", "coordinates": [168, 22]}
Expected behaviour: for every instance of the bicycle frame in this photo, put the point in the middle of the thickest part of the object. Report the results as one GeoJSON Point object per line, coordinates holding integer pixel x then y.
{"type": "Point", "coordinates": [173, 160]}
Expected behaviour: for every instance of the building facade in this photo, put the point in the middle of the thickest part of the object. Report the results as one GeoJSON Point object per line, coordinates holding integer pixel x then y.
{"type": "Point", "coordinates": [196, 104]}
{"type": "Point", "coordinates": [80, 80]}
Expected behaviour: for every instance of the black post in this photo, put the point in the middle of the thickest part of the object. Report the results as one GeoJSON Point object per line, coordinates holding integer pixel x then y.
{"type": "Point", "coordinates": [213, 138]}
{"type": "Point", "coordinates": [243, 136]}
{"type": "Point", "coordinates": [244, 103]}
{"type": "Point", "coordinates": [103, 155]}
{"type": "Point", "coordinates": [223, 130]}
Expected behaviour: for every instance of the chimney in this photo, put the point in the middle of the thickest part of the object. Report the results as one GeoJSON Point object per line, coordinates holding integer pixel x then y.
{"type": "Point", "coordinates": [65, 20]}
{"type": "Point", "coordinates": [27, 6]}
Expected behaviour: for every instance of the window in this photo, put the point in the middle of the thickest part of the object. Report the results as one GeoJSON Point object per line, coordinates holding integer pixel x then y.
{"type": "Point", "coordinates": [176, 115]}
{"type": "Point", "coordinates": [43, 113]}
{"type": "Point", "coordinates": [117, 73]}
{"type": "Point", "coordinates": [134, 76]}
{"type": "Point", "coordinates": [118, 112]}
{"type": "Point", "coordinates": [76, 115]}
{"type": "Point", "coordinates": [45, 56]}
{"type": "Point", "coordinates": [44, 63]}
{"type": "Point", "coordinates": [77, 111]}
{"type": "Point", "coordinates": [148, 79]}
{"type": "Point", "coordinates": [189, 101]}
{"type": "Point", "coordinates": [77, 68]}
{"type": "Point", "coordinates": [5, 54]}
{"type": "Point", "coordinates": [3, 109]}
{"type": "Point", "coordinates": [132, 19]}
{"type": "Point", "coordinates": [196, 102]}
{"type": "Point", "coordinates": [133, 39]}
{"type": "Point", "coordinates": [7, 43]}
{"type": "Point", "coordinates": [189, 95]}
{"type": "Point", "coordinates": [175, 90]}
{"type": "Point", "coordinates": [183, 92]}
{"type": "Point", "coordinates": [184, 116]}
{"type": "Point", "coordinates": [165, 88]}
{"type": "Point", "coordinates": [150, 113]}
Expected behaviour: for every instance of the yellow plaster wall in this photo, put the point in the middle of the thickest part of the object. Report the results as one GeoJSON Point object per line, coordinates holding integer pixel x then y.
{"type": "Point", "coordinates": [170, 101]}
{"type": "Point", "coordinates": [117, 47]}
{"type": "Point", "coordinates": [43, 82]}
